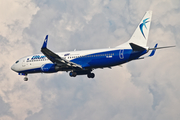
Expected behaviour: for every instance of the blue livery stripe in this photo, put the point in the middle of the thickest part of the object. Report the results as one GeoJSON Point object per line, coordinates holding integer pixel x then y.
{"type": "Point", "coordinates": [35, 70]}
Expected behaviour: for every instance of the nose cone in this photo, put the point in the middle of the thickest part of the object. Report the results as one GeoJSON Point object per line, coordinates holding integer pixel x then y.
{"type": "Point", "coordinates": [13, 68]}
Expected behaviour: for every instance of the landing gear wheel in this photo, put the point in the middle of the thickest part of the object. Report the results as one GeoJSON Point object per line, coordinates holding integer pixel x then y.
{"type": "Point", "coordinates": [91, 75]}
{"type": "Point", "coordinates": [25, 79]}
{"type": "Point", "coordinates": [72, 74]}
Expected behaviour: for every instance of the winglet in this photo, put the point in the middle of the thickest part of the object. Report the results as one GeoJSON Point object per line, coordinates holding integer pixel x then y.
{"type": "Point", "coordinates": [45, 42]}
{"type": "Point", "coordinates": [153, 51]}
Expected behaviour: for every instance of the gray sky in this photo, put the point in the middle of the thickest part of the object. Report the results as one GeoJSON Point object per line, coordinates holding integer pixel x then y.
{"type": "Point", "coordinates": [140, 90]}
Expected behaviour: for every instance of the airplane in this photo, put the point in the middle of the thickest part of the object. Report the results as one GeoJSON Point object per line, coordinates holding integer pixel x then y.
{"type": "Point", "coordinates": [84, 62]}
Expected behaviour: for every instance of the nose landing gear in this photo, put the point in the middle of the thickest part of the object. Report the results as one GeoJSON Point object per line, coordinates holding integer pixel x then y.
{"type": "Point", "coordinates": [24, 74]}
{"type": "Point", "coordinates": [25, 78]}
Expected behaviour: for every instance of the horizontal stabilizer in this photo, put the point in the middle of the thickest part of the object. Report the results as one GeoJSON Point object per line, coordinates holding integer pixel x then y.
{"type": "Point", "coordinates": [136, 47]}
{"type": "Point", "coordinates": [161, 47]}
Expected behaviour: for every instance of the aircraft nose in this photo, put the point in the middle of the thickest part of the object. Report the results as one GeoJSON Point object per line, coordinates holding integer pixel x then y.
{"type": "Point", "coordinates": [13, 68]}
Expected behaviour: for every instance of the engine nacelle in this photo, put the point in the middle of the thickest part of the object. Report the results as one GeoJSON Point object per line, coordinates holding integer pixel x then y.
{"type": "Point", "coordinates": [49, 68]}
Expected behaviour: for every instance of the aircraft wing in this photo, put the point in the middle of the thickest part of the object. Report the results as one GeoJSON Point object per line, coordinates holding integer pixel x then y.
{"type": "Point", "coordinates": [56, 59]}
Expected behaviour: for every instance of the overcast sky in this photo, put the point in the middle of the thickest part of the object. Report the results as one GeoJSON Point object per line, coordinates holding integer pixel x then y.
{"type": "Point", "coordinates": [146, 89]}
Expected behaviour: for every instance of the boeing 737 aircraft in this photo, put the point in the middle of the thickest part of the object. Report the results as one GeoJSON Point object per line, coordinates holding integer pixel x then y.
{"type": "Point", "coordinates": [84, 62]}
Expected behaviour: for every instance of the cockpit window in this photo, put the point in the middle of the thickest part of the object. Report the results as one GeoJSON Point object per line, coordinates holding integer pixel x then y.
{"type": "Point", "coordinates": [17, 61]}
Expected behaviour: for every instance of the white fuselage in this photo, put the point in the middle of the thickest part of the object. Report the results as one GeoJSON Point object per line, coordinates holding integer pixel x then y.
{"type": "Point", "coordinates": [37, 60]}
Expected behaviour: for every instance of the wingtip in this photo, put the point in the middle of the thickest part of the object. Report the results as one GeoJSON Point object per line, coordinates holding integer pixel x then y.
{"type": "Point", "coordinates": [46, 37]}
{"type": "Point", "coordinates": [156, 45]}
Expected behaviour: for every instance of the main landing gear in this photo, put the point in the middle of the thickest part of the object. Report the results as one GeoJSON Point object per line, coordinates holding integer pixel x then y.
{"type": "Point", "coordinates": [91, 75]}
{"type": "Point", "coordinates": [74, 74]}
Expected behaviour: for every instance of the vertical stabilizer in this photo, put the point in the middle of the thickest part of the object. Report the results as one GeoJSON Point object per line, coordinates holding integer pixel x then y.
{"type": "Point", "coordinates": [140, 36]}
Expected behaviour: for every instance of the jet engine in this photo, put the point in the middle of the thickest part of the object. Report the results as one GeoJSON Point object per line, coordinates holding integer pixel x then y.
{"type": "Point", "coordinates": [49, 68]}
